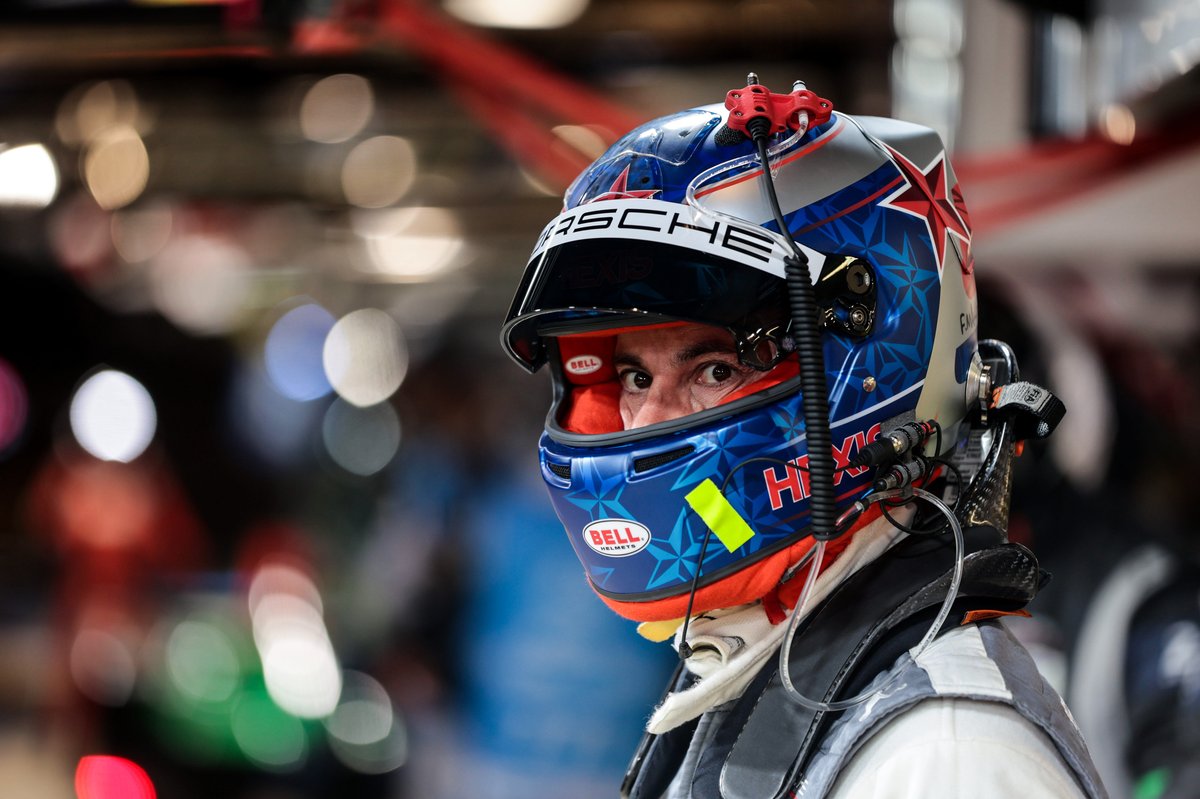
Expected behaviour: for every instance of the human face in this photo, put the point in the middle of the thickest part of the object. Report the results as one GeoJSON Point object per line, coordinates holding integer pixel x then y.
{"type": "Point", "coordinates": [668, 373]}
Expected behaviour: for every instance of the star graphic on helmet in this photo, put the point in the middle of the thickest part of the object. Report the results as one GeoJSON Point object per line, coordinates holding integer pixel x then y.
{"type": "Point", "coordinates": [619, 190]}
{"type": "Point", "coordinates": [968, 260]}
{"type": "Point", "coordinates": [927, 195]}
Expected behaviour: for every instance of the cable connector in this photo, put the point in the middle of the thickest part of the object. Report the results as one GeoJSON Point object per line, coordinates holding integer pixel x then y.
{"type": "Point", "coordinates": [777, 112]}
{"type": "Point", "coordinates": [901, 475]}
{"type": "Point", "coordinates": [905, 438]}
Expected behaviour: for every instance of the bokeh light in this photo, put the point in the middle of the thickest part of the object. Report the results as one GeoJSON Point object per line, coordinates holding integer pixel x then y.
{"type": "Point", "coordinates": [1118, 123]}
{"type": "Point", "coordinates": [378, 171]}
{"type": "Point", "coordinates": [92, 108]}
{"type": "Point", "coordinates": [102, 666]}
{"type": "Point", "coordinates": [274, 579]}
{"type": "Point", "coordinates": [365, 733]}
{"type": "Point", "coordinates": [300, 668]}
{"type": "Point", "coordinates": [272, 427]}
{"type": "Point", "coordinates": [140, 234]}
{"type": "Point", "coordinates": [529, 14]}
{"type": "Point", "coordinates": [81, 234]}
{"type": "Point", "coordinates": [202, 661]}
{"type": "Point", "coordinates": [293, 352]}
{"type": "Point", "coordinates": [268, 736]}
{"type": "Point", "coordinates": [361, 440]}
{"type": "Point", "coordinates": [583, 138]}
{"type": "Point", "coordinates": [28, 177]}
{"type": "Point", "coordinates": [200, 283]}
{"type": "Point", "coordinates": [336, 108]}
{"type": "Point", "coordinates": [116, 167]}
{"type": "Point", "coordinates": [365, 357]}
{"type": "Point", "coordinates": [14, 406]}
{"type": "Point", "coordinates": [411, 244]}
{"type": "Point", "coordinates": [112, 416]}
{"type": "Point", "coordinates": [109, 777]}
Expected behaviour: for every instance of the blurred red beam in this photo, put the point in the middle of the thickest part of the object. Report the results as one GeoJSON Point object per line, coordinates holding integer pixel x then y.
{"type": "Point", "coordinates": [520, 101]}
{"type": "Point", "coordinates": [474, 59]}
{"type": "Point", "coordinates": [1001, 190]}
{"type": "Point", "coordinates": [529, 140]}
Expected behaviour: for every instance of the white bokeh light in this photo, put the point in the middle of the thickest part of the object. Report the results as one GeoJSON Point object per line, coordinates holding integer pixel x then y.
{"type": "Point", "coordinates": [300, 668]}
{"type": "Point", "coordinates": [112, 416]}
{"type": "Point", "coordinates": [365, 357]}
{"type": "Point", "coordinates": [28, 177]}
{"type": "Point", "coordinates": [201, 283]}
{"type": "Point", "coordinates": [528, 14]}
{"type": "Point", "coordinates": [302, 673]}
{"type": "Point", "coordinates": [411, 244]}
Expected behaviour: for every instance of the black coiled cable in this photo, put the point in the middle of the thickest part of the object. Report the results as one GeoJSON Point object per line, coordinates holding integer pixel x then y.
{"type": "Point", "coordinates": [806, 335]}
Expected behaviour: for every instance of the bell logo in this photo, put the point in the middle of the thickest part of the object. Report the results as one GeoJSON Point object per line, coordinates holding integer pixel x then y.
{"type": "Point", "coordinates": [616, 538]}
{"type": "Point", "coordinates": [584, 364]}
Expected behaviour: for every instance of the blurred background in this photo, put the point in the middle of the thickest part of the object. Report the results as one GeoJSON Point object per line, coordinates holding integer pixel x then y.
{"type": "Point", "coordinates": [270, 524]}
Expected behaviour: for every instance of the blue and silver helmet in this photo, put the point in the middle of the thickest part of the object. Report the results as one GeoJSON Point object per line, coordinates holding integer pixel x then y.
{"type": "Point", "coordinates": [670, 226]}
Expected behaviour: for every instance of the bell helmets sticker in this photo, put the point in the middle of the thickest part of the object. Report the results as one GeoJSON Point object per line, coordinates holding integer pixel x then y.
{"type": "Point", "coordinates": [616, 538]}
{"type": "Point", "coordinates": [583, 364]}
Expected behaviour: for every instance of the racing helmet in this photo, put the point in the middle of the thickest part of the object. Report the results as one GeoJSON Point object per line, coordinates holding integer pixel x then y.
{"type": "Point", "coordinates": [669, 227]}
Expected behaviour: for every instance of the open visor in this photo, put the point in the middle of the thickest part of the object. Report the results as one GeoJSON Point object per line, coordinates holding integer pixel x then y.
{"type": "Point", "coordinates": [630, 262]}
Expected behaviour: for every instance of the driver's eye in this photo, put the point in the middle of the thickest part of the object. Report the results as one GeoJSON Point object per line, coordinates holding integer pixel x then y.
{"type": "Point", "coordinates": [634, 380]}
{"type": "Point", "coordinates": [716, 373]}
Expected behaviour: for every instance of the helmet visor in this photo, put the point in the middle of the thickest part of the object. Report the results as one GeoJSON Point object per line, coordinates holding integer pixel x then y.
{"type": "Point", "coordinates": [632, 262]}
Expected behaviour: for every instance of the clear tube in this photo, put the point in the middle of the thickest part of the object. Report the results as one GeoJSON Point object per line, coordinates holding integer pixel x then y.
{"type": "Point", "coordinates": [710, 174]}
{"type": "Point", "coordinates": [915, 652]}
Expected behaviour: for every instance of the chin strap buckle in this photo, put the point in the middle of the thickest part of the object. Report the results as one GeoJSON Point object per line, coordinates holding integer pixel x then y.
{"type": "Point", "coordinates": [1033, 410]}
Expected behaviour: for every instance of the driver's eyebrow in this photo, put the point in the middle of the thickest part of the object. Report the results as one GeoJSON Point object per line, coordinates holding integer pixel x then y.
{"type": "Point", "coordinates": [710, 346]}
{"type": "Point", "coordinates": [626, 359]}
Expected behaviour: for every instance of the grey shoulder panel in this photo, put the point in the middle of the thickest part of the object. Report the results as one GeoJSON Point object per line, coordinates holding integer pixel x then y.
{"type": "Point", "coordinates": [1039, 703]}
{"type": "Point", "coordinates": [1020, 686]}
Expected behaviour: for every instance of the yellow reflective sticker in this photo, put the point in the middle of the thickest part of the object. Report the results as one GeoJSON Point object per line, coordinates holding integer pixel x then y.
{"type": "Point", "coordinates": [721, 517]}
